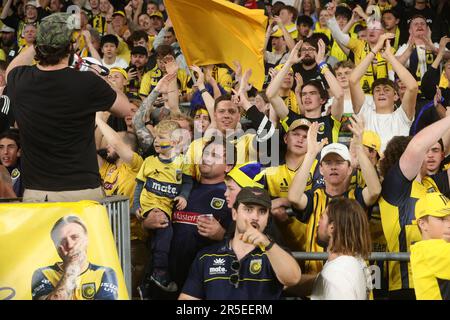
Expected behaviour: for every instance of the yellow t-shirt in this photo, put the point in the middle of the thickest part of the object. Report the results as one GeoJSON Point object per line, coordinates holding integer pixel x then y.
{"type": "Point", "coordinates": [162, 183]}
{"type": "Point", "coordinates": [150, 80]}
{"type": "Point", "coordinates": [378, 70]}
{"type": "Point", "coordinates": [121, 180]}
{"type": "Point", "coordinates": [279, 179]}
{"type": "Point", "coordinates": [430, 264]}
{"type": "Point", "coordinates": [291, 102]}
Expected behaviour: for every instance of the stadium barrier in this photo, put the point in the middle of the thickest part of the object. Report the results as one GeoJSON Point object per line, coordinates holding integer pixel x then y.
{"type": "Point", "coordinates": [118, 208]}
{"type": "Point", "coordinates": [374, 256]}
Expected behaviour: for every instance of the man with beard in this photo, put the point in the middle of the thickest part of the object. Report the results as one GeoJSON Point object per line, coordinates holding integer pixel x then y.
{"type": "Point", "coordinates": [344, 231]}
{"type": "Point", "coordinates": [74, 278]}
{"type": "Point", "coordinates": [247, 266]}
{"type": "Point", "coordinates": [336, 168]}
{"type": "Point", "coordinates": [8, 42]}
{"type": "Point", "coordinates": [119, 164]}
{"type": "Point", "coordinates": [307, 66]}
{"type": "Point", "coordinates": [136, 70]}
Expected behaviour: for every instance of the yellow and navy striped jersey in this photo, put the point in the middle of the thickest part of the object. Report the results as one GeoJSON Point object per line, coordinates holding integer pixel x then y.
{"type": "Point", "coordinates": [378, 70]}
{"type": "Point", "coordinates": [278, 181]}
{"type": "Point", "coordinates": [98, 22]}
{"type": "Point", "coordinates": [318, 200]}
{"type": "Point", "coordinates": [162, 183]}
{"type": "Point", "coordinates": [397, 208]}
{"type": "Point", "coordinates": [96, 283]}
{"type": "Point", "coordinates": [430, 264]}
{"type": "Point", "coordinates": [214, 269]}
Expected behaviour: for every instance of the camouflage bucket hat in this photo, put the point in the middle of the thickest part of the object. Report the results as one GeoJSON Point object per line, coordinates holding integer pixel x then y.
{"type": "Point", "coordinates": [56, 30]}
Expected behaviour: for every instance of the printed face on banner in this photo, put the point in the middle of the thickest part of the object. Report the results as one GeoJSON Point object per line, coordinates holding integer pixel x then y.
{"type": "Point", "coordinates": [45, 243]}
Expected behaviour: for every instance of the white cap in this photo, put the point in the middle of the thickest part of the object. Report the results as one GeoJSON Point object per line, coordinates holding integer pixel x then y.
{"type": "Point", "coordinates": [32, 3]}
{"type": "Point", "coordinates": [337, 148]}
{"type": "Point", "coordinates": [5, 28]}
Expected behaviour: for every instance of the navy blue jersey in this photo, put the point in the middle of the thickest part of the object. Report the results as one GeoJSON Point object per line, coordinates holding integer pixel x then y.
{"type": "Point", "coordinates": [216, 275]}
{"type": "Point", "coordinates": [186, 241]}
{"type": "Point", "coordinates": [96, 283]}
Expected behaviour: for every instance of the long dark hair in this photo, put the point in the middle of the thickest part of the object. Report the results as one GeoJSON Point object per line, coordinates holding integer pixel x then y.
{"type": "Point", "coordinates": [394, 150]}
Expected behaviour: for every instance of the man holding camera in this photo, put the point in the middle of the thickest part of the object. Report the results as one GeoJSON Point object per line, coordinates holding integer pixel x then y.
{"type": "Point", "coordinates": [55, 108]}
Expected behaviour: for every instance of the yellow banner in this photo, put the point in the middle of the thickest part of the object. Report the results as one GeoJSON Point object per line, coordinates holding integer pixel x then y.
{"type": "Point", "coordinates": [218, 31]}
{"type": "Point", "coordinates": [58, 251]}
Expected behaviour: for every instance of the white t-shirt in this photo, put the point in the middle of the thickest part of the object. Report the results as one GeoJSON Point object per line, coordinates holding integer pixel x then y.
{"type": "Point", "coordinates": [387, 125]}
{"type": "Point", "coordinates": [118, 63]}
{"type": "Point", "coordinates": [344, 278]}
{"type": "Point", "coordinates": [421, 55]}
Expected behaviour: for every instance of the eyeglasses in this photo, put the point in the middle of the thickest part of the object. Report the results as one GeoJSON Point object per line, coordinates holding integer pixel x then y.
{"type": "Point", "coordinates": [312, 49]}
{"type": "Point", "coordinates": [234, 278]}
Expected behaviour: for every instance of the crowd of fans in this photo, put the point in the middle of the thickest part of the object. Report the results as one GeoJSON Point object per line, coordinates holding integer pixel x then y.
{"type": "Point", "coordinates": [354, 106]}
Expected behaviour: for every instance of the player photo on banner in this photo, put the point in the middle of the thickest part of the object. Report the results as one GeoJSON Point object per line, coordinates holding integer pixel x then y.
{"type": "Point", "coordinates": [58, 251]}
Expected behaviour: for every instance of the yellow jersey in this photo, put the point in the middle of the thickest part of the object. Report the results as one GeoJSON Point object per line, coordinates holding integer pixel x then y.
{"type": "Point", "coordinates": [278, 181]}
{"type": "Point", "coordinates": [121, 180]}
{"type": "Point", "coordinates": [291, 102]}
{"type": "Point", "coordinates": [430, 264]}
{"type": "Point", "coordinates": [96, 283]}
{"type": "Point", "coordinates": [397, 208]}
{"type": "Point", "coordinates": [162, 183]}
{"type": "Point", "coordinates": [318, 200]}
{"type": "Point", "coordinates": [378, 68]}
{"type": "Point", "coordinates": [150, 80]}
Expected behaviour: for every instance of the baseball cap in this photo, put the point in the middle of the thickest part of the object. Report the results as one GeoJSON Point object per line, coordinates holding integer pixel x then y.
{"type": "Point", "coordinates": [139, 50]}
{"type": "Point", "coordinates": [32, 3]}
{"type": "Point", "coordinates": [248, 175]}
{"type": "Point", "coordinates": [55, 30]}
{"type": "Point", "coordinates": [305, 123]}
{"type": "Point", "coordinates": [119, 70]}
{"type": "Point", "coordinates": [157, 14]}
{"type": "Point", "coordinates": [254, 195]}
{"type": "Point", "coordinates": [433, 204]}
{"type": "Point", "coordinates": [372, 140]}
{"type": "Point", "coordinates": [336, 148]}
{"type": "Point", "coordinates": [280, 66]}
{"type": "Point", "coordinates": [5, 28]}
{"type": "Point", "coordinates": [118, 13]}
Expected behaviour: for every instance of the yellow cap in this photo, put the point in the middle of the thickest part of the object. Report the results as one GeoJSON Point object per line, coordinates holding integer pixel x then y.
{"type": "Point", "coordinates": [372, 140]}
{"type": "Point", "coordinates": [300, 123]}
{"type": "Point", "coordinates": [278, 68]}
{"type": "Point", "coordinates": [157, 14]}
{"type": "Point", "coordinates": [433, 204]}
{"type": "Point", "coordinates": [120, 70]}
{"type": "Point", "coordinates": [119, 13]}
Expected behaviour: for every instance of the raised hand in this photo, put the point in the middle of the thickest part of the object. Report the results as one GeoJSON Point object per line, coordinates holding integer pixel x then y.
{"type": "Point", "coordinates": [320, 55]}
{"type": "Point", "coordinates": [293, 56]}
{"type": "Point", "coordinates": [356, 126]}
{"type": "Point", "coordinates": [200, 74]}
{"type": "Point", "coordinates": [163, 83]}
{"type": "Point", "coordinates": [314, 147]}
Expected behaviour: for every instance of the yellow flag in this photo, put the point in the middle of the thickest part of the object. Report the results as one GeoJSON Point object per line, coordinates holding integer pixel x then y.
{"type": "Point", "coordinates": [218, 31]}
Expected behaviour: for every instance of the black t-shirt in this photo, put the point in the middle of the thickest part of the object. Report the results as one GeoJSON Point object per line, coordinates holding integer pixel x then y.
{"type": "Point", "coordinates": [55, 111]}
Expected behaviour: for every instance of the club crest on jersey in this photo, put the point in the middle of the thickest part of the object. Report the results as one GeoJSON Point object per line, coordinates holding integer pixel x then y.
{"type": "Point", "coordinates": [217, 203]}
{"type": "Point", "coordinates": [88, 290]}
{"type": "Point", "coordinates": [178, 174]}
{"type": "Point", "coordinates": [255, 266]}
{"type": "Point", "coordinates": [321, 128]}
{"type": "Point", "coordinates": [15, 173]}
